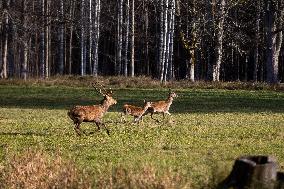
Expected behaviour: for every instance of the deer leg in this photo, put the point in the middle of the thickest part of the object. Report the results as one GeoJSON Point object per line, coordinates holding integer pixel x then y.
{"type": "Point", "coordinates": [141, 118]}
{"type": "Point", "coordinates": [105, 128]}
{"type": "Point", "coordinates": [77, 128]}
{"type": "Point", "coordinates": [122, 117]}
{"type": "Point", "coordinates": [170, 116]}
{"type": "Point", "coordinates": [98, 123]}
{"type": "Point", "coordinates": [136, 119]}
{"type": "Point", "coordinates": [154, 118]}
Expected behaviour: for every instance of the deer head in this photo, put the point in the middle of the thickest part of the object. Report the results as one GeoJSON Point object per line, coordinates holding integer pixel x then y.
{"type": "Point", "coordinates": [172, 94]}
{"type": "Point", "coordinates": [107, 94]}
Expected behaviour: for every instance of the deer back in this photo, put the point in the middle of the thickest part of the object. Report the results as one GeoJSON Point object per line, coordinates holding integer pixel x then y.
{"type": "Point", "coordinates": [163, 105]}
{"type": "Point", "coordinates": [92, 112]}
{"type": "Point", "coordinates": [136, 110]}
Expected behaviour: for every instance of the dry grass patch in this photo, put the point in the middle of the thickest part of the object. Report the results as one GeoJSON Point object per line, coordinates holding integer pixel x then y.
{"type": "Point", "coordinates": [146, 178]}
{"type": "Point", "coordinates": [141, 82]}
{"type": "Point", "coordinates": [37, 169]}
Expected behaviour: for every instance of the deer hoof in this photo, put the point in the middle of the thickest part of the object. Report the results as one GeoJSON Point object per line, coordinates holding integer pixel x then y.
{"type": "Point", "coordinates": [108, 132]}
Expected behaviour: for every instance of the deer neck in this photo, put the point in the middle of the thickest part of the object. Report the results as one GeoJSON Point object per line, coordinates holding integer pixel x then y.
{"type": "Point", "coordinates": [170, 100]}
{"type": "Point", "coordinates": [145, 108]}
{"type": "Point", "coordinates": [105, 105]}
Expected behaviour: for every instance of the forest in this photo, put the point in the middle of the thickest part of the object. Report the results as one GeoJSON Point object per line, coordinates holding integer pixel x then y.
{"type": "Point", "coordinates": [78, 76]}
{"type": "Point", "coordinates": [195, 40]}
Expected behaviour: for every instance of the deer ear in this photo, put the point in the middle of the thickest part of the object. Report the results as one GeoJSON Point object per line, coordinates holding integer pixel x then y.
{"type": "Point", "coordinates": [144, 100]}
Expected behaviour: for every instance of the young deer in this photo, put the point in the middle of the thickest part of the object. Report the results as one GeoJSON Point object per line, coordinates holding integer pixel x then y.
{"type": "Point", "coordinates": [162, 106]}
{"type": "Point", "coordinates": [135, 111]}
{"type": "Point", "coordinates": [92, 113]}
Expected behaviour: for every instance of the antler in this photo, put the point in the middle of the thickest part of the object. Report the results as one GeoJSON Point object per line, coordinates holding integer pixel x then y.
{"type": "Point", "coordinates": [102, 90]}
{"type": "Point", "coordinates": [99, 90]}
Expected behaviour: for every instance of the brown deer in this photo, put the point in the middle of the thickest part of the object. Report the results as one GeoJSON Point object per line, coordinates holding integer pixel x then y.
{"type": "Point", "coordinates": [135, 111]}
{"type": "Point", "coordinates": [92, 113]}
{"type": "Point", "coordinates": [162, 106]}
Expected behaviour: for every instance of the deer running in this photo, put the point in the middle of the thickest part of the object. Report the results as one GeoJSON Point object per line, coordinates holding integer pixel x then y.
{"type": "Point", "coordinates": [92, 113]}
{"type": "Point", "coordinates": [162, 106]}
{"type": "Point", "coordinates": [135, 111]}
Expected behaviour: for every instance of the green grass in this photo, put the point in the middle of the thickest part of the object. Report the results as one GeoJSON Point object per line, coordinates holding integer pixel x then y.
{"type": "Point", "coordinates": [207, 131]}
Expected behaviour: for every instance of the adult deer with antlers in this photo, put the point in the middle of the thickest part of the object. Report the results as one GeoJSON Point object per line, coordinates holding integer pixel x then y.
{"type": "Point", "coordinates": [92, 113]}
{"type": "Point", "coordinates": [135, 111]}
{"type": "Point", "coordinates": [162, 106]}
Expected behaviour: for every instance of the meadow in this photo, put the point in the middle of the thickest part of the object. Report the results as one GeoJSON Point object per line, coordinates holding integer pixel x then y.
{"type": "Point", "coordinates": [194, 148]}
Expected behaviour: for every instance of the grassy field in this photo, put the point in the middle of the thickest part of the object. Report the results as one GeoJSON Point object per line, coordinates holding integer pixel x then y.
{"type": "Point", "coordinates": [196, 146]}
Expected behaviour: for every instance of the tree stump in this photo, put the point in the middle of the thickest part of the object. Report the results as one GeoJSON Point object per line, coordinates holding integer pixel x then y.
{"type": "Point", "coordinates": [280, 180]}
{"type": "Point", "coordinates": [252, 172]}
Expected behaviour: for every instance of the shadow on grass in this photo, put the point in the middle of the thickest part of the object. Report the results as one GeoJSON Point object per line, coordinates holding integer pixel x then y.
{"type": "Point", "coordinates": [190, 101]}
{"type": "Point", "coordinates": [23, 134]}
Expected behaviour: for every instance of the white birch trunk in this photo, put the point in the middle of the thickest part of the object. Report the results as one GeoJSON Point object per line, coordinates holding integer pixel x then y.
{"type": "Point", "coordinates": [256, 51]}
{"type": "Point", "coordinates": [165, 40]}
{"type": "Point", "coordinates": [132, 38]}
{"type": "Point", "coordinates": [47, 39]}
{"type": "Point", "coordinates": [169, 53]}
{"type": "Point", "coordinates": [219, 46]}
{"type": "Point", "coordinates": [167, 43]}
{"type": "Point", "coordinates": [42, 42]}
{"type": "Point", "coordinates": [192, 50]}
{"type": "Point", "coordinates": [126, 39]}
{"type": "Point", "coordinates": [192, 66]}
{"type": "Point", "coordinates": [161, 47]}
{"type": "Point", "coordinates": [147, 39]}
{"type": "Point", "coordinates": [278, 40]}
{"type": "Point", "coordinates": [83, 45]}
{"type": "Point", "coordinates": [3, 73]}
{"type": "Point", "coordinates": [71, 16]}
{"type": "Point", "coordinates": [96, 37]}
{"type": "Point", "coordinates": [172, 33]}
{"type": "Point", "coordinates": [119, 37]}
{"type": "Point", "coordinates": [274, 22]}
{"type": "Point", "coordinates": [61, 39]}
{"type": "Point", "coordinates": [90, 52]}
{"type": "Point", "coordinates": [25, 62]}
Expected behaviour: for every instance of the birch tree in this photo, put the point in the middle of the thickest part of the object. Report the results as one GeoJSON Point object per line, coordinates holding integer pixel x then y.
{"type": "Point", "coordinates": [91, 27]}
{"type": "Point", "coordinates": [96, 36]}
{"type": "Point", "coordinates": [70, 42]}
{"type": "Point", "coordinates": [169, 63]}
{"type": "Point", "coordinates": [119, 37]}
{"type": "Point", "coordinates": [3, 71]}
{"type": "Point", "coordinates": [167, 23]}
{"type": "Point", "coordinates": [61, 39]}
{"type": "Point", "coordinates": [83, 44]}
{"type": "Point", "coordinates": [188, 38]}
{"type": "Point", "coordinates": [42, 40]}
{"type": "Point", "coordinates": [164, 37]}
{"type": "Point", "coordinates": [132, 38]}
{"type": "Point", "coordinates": [24, 66]}
{"type": "Point", "coordinates": [47, 36]}
{"type": "Point", "coordinates": [257, 38]}
{"type": "Point", "coordinates": [274, 17]}
{"type": "Point", "coordinates": [219, 41]}
{"type": "Point", "coordinates": [126, 39]}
